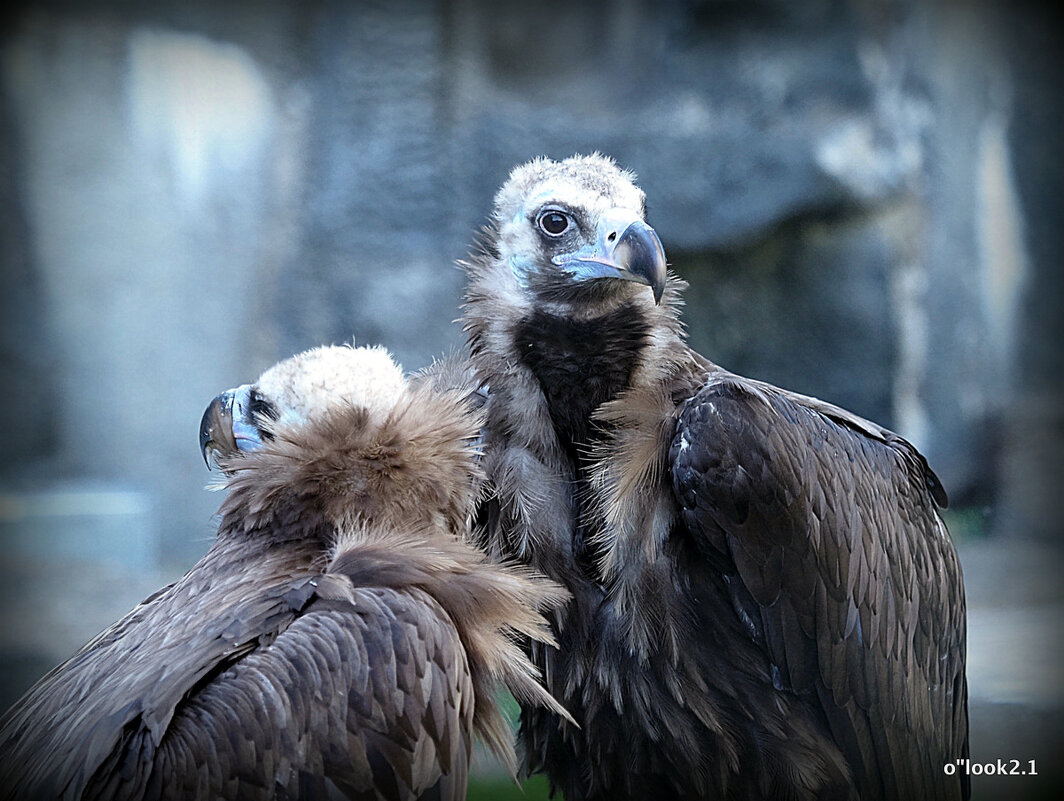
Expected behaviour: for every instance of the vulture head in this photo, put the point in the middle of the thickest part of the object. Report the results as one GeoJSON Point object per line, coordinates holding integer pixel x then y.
{"type": "Point", "coordinates": [574, 230]}
{"type": "Point", "coordinates": [342, 425]}
{"type": "Point", "coordinates": [294, 391]}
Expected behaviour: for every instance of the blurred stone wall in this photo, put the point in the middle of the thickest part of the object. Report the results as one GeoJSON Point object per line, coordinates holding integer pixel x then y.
{"type": "Point", "coordinates": [193, 190]}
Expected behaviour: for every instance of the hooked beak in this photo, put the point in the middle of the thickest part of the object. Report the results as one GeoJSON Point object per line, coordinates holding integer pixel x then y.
{"type": "Point", "coordinates": [625, 248]}
{"type": "Point", "coordinates": [225, 428]}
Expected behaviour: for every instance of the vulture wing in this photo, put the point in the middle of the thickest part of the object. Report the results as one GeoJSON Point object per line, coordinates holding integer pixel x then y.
{"type": "Point", "coordinates": [249, 691]}
{"type": "Point", "coordinates": [840, 566]}
{"type": "Point", "coordinates": [399, 732]}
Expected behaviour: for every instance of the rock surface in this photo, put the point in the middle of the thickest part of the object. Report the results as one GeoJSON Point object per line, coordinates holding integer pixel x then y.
{"type": "Point", "coordinates": [196, 190]}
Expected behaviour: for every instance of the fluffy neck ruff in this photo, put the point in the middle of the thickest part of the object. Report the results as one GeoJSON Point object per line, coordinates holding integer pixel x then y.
{"type": "Point", "coordinates": [579, 473]}
{"type": "Point", "coordinates": [492, 606]}
{"type": "Point", "coordinates": [413, 470]}
{"type": "Point", "coordinates": [388, 504]}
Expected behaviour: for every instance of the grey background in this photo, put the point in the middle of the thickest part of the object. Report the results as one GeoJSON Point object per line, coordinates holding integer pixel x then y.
{"type": "Point", "coordinates": [863, 195]}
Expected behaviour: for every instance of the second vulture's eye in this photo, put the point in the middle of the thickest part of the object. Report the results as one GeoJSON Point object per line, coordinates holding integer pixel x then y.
{"type": "Point", "coordinates": [261, 409]}
{"type": "Point", "coordinates": [553, 222]}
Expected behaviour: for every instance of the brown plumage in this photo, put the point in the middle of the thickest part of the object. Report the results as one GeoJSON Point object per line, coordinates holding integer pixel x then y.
{"type": "Point", "coordinates": [340, 637]}
{"type": "Point", "coordinates": [766, 602]}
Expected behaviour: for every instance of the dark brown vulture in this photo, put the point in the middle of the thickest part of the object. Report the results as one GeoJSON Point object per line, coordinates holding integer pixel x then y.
{"type": "Point", "coordinates": [339, 639]}
{"type": "Point", "coordinates": [766, 602]}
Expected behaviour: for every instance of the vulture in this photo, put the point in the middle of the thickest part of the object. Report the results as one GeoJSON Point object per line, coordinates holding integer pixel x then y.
{"type": "Point", "coordinates": [340, 638]}
{"type": "Point", "coordinates": [766, 602]}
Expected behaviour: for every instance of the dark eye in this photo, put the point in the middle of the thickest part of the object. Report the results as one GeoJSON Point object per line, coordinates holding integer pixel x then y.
{"type": "Point", "coordinates": [261, 409]}
{"type": "Point", "coordinates": [553, 222]}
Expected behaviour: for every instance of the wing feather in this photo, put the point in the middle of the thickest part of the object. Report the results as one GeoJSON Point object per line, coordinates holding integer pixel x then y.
{"type": "Point", "coordinates": [831, 524]}
{"type": "Point", "coordinates": [293, 688]}
{"type": "Point", "coordinates": [400, 729]}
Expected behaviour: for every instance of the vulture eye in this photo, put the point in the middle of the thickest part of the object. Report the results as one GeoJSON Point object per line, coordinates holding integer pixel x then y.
{"type": "Point", "coordinates": [553, 222]}
{"type": "Point", "coordinates": [261, 409]}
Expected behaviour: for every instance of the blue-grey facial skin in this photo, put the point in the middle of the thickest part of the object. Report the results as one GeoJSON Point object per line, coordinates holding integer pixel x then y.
{"type": "Point", "coordinates": [625, 247]}
{"type": "Point", "coordinates": [245, 432]}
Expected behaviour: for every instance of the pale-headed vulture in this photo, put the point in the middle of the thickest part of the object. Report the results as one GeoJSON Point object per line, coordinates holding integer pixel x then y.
{"type": "Point", "coordinates": [340, 638]}
{"type": "Point", "coordinates": [766, 602]}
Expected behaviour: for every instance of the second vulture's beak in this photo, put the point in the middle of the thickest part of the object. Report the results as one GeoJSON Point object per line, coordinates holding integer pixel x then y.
{"type": "Point", "coordinates": [626, 248]}
{"type": "Point", "coordinates": [226, 428]}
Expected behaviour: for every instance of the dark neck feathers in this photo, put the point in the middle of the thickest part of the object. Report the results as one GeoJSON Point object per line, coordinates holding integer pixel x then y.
{"type": "Point", "coordinates": [581, 364]}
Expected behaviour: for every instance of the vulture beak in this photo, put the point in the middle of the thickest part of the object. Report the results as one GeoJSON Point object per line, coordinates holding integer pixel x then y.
{"type": "Point", "coordinates": [625, 248]}
{"type": "Point", "coordinates": [226, 427]}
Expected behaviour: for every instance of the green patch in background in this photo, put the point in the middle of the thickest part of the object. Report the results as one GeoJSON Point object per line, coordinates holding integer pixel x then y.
{"type": "Point", "coordinates": [483, 788]}
{"type": "Point", "coordinates": [490, 781]}
{"type": "Point", "coordinates": [967, 523]}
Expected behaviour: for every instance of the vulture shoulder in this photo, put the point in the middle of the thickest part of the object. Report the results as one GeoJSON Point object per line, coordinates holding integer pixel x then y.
{"type": "Point", "coordinates": [364, 688]}
{"type": "Point", "coordinates": [847, 577]}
